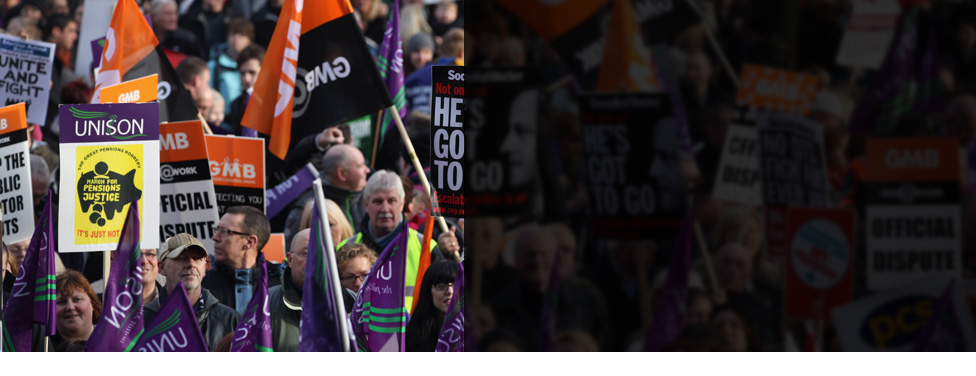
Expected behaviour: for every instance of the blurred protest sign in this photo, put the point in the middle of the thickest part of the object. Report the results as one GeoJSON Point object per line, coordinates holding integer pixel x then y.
{"type": "Point", "coordinates": [15, 175]}
{"type": "Point", "coordinates": [820, 267]}
{"type": "Point", "coordinates": [187, 198]}
{"type": "Point", "coordinates": [447, 141]}
{"type": "Point", "coordinates": [913, 214]}
{"type": "Point", "coordinates": [779, 90]}
{"type": "Point", "coordinates": [139, 90]}
{"type": "Point", "coordinates": [738, 178]}
{"type": "Point", "coordinates": [110, 154]}
{"type": "Point", "coordinates": [631, 165]}
{"type": "Point", "coordinates": [869, 33]}
{"type": "Point", "coordinates": [894, 320]}
{"type": "Point", "coordinates": [274, 251]}
{"type": "Point", "coordinates": [25, 75]}
{"type": "Point", "coordinates": [237, 169]}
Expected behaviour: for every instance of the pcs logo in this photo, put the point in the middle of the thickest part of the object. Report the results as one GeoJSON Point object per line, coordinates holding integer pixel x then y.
{"type": "Point", "coordinates": [898, 322]}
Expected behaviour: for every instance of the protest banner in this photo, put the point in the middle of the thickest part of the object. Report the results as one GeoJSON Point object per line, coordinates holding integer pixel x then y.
{"type": "Point", "coordinates": [188, 202]}
{"type": "Point", "coordinates": [15, 176]}
{"type": "Point", "coordinates": [110, 154]}
{"type": "Point", "coordinates": [139, 90]}
{"type": "Point", "coordinates": [913, 216]}
{"type": "Point", "coordinates": [738, 179]}
{"type": "Point", "coordinates": [868, 34]}
{"type": "Point", "coordinates": [502, 118]}
{"type": "Point", "coordinates": [772, 89]}
{"type": "Point", "coordinates": [447, 141]}
{"type": "Point", "coordinates": [820, 268]}
{"type": "Point", "coordinates": [25, 75]}
{"type": "Point", "coordinates": [893, 320]}
{"type": "Point", "coordinates": [274, 251]}
{"type": "Point", "coordinates": [97, 46]}
{"type": "Point", "coordinates": [636, 187]}
{"type": "Point", "coordinates": [628, 64]}
{"type": "Point", "coordinates": [792, 160]}
{"type": "Point", "coordinates": [661, 20]}
{"type": "Point", "coordinates": [237, 169]}
{"type": "Point", "coordinates": [278, 198]}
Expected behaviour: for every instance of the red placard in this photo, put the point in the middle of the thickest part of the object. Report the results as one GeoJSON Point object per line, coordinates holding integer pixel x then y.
{"type": "Point", "coordinates": [820, 263]}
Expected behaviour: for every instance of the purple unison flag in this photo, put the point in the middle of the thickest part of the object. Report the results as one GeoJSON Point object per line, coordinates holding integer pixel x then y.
{"type": "Point", "coordinates": [379, 316]}
{"type": "Point", "coordinates": [390, 64]}
{"type": "Point", "coordinates": [175, 328]}
{"type": "Point", "coordinates": [278, 198]}
{"type": "Point", "coordinates": [121, 324]}
{"type": "Point", "coordinates": [319, 329]}
{"type": "Point", "coordinates": [32, 300]}
{"type": "Point", "coordinates": [942, 331]}
{"type": "Point", "coordinates": [451, 338]}
{"type": "Point", "coordinates": [253, 333]}
{"type": "Point", "coordinates": [669, 317]}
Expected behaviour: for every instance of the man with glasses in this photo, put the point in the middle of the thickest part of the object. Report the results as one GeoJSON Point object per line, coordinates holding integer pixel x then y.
{"type": "Point", "coordinates": [150, 269]}
{"type": "Point", "coordinates": [238, 237]}
{"type": "Point", "coordinates": [286, 299]}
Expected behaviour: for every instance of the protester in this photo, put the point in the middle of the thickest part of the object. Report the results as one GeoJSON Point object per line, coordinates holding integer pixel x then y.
{"type": "Point", "coordinates": [344, 173]}
{"type": "Point", "coordinates": [265, 20]}
{"type": "Point", "coordinates": [225, 76]}
{"type": "Point", "coordinates": [195, 75]}
{"type": "Point", "coordinates": [436, 291]}
{"type": "Point", "coordinates": [150, 270]}
{"type": "Point", "coordinates": [417, 86]}
{"type": "Point", "coordinates": [355, 261]}
{"type": "Point", "coordinates": [209, 23]}
{"type": "Point", "coordinates": [286, 299]}
{"type": "Point", "coordinates": [248, 66]}
{"type": "Point", "coordinates": [446, 18]}
{"type": "Point", "coordinates": [418, 51]}
{"type": "Point", "coordinates": [241, 233]}
{"type": "Point", "coordinates": [165, 22]}
{"type": "Point", "coordinates": [338, 225]}
{"type": "Point", "coordinates": [78, 308]}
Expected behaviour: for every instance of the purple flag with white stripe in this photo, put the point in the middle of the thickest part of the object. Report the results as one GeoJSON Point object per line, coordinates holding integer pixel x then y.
{"type": "Point", "coordinates": [451, 338]}
{"type": "Point", "coordinates": [175, 328]}
{"type": "Point", "coordinates": [121, 323]}
{"type": "Point", "coordinates": [253, 332]}
{"type": "Point", "coordinates": [390, 64]}
{"type": "Point", "coordinates": [32, 300]}
{"type": "Point", "coordinates": [380, 315]}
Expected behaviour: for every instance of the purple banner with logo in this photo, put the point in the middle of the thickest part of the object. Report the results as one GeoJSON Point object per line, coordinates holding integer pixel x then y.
{"type": "Point", "coordinates": [282, 195]}
{"type": "Point", "coordinates": [121, 323]}
{"type": "Point", "coordinates": [253, 333]}
{"type": "Point", "coordinates": [174, 329]}
{"type": "Point", "coordinates": [451, 338]}
{"type": "Point", "coordinates": [319, 329]}
{"type": "Point", "coordinates": [390, 64]}
{"type": "Point", "coordinates": [380, 316]}
{"type": "Point", "coordinates": [32, 300]}
{"type": "Point", "coordinates": [112, 122]}
{"type": "Point", "coordinates": [97, 46]}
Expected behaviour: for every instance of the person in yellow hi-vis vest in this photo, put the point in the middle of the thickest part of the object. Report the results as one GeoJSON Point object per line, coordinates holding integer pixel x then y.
{"type": "Point", "coordinates": [383, 197]}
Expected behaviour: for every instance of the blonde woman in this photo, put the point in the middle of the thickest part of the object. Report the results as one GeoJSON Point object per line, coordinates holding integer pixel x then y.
{"type": "Point", "coordinates": [338, 225]}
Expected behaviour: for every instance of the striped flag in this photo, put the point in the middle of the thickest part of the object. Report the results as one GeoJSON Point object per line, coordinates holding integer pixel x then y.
{"type": "Point", "coordinates": [451, 338]}
{"type": "Point", "coordinates": [380, 315]}
{"type": "Point", "coordinates": [121, 323]}
{"type": "Point", "coordinates": [253, 333]}
{"type": "Point", "coordinates": [390, 63]}
{"type": "Point", "coordinates": [129, 39]}
{"type": "Point", "coordinates": [32, 300]}
{"type": "Point", "coordinates": [319, 329]}
{"type": "Point", "coordinates": [175, 328]}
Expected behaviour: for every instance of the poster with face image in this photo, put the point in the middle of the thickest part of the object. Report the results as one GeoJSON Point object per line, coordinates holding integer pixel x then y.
{"type": "Point", "coordinates": [631, 166]}
{"type": "Point", "coordinates": [15, 176]}
{"type": "Point", "coordinates": [109, 158]}
{"type": "Point", "coordinates": [501, 127]}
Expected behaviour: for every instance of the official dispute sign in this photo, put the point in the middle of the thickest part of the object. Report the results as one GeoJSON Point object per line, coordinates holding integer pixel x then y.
{"type": "Point", "coordinates": [237, 169]}
{"type": "Point", "coordinates": [25, 75]}
{"type": "Point", "coordinates": [820, 267]}
{"type": "Point", "coordinates": [188, 202]}
{"type": "Point", "coordinates": [15, 175]}
{"type": "Point", "coordinates": [631, 164]}
{"type": "Point", "coordinates": [109, 158]}
{"type": "Point", "coordinates": [447, 141]}
{"type": "Point", "coordinates": [772, 89]}
{"type": "Point", "coordinates": [913, 217]}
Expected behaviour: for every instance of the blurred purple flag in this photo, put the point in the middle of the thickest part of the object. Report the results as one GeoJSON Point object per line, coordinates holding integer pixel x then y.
{"type": "Point", "coordinates": [319, 329]}
{"type": "Point", "coordinates": [33, 298]}
{"type": "Point", "coordinates": [121, 323]}
{"type": "Point", "coordinates": [451, 338]}
{"type": "Point", "coordinates": [380, 315]}
{"type": "Point", "coordinates": [254, 330]}
{"type": "Point", "coordinates": [175, 328]}
{"type": "Point", "coordinates": [390, 64]}
{"type": "Point", "coordinates": [669, 317]}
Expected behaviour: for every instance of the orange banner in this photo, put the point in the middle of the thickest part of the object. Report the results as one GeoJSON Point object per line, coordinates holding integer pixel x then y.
{"type": "Point", "coordinates": [129, 40]}
{"type": "Point", "coordinates": [236, 161]}
{"type": "Point", "coordinates": [551, 19]}
{"type": "Point", "coordinates": [274, 251]}
{"type": "Point", "coordinates": [778, 90]}
{"type": "Point", "coordinates": [139, 90]}
{"type": "Point", "coordinates": [322, 11]}
{"type": "Point", "coordinates": [13, 118]}
{"type": "Point", "coordinates": [627, 62]}
{"type": "Point", "coordinates": [934, 159]}
{"type": "Point", "coordinates": [181, 141]}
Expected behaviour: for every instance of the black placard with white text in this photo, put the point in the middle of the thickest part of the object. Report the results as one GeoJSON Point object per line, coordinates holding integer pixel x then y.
{"type": "Point", "coordinates": [447, 141]}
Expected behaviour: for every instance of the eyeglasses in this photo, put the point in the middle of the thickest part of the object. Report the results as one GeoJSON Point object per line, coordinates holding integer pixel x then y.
{"type": "Point", "coordinates": [352, 278]}
{"type": "Point", "coordinates": [225, 232]}
{"type": "Point", "coordinates": [150, 255]}
{"type": "Point", "coordinates": [443, 286]}
{"type": "Point", "coordinates": [299, 254]}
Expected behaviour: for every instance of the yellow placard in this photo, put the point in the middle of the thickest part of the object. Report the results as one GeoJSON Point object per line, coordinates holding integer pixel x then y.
{"type": "Point", "coordinates": [108, 179]}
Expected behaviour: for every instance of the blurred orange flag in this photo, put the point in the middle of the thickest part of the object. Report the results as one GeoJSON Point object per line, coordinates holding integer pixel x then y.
{"type": "Point", "coordinates": [129, 39]}
{"type": "Point", "coordinates": [627, 63]}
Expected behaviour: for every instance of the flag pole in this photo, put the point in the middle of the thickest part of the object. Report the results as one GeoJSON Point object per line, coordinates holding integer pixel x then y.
{"type": "Point", "coordinates": [46, 343]}
{"type": "Point", "coordinates": [106, 266]}
{"type": "Point", "coordinates": [718, 50]}
{"type": "Point", "coordinates": [334, 269]}
{"type": "Point", "coordinates": [416, 161]}
{"type": "Point", "coordinates": [705, 256]}
{"type": "Point", "coordinates": [376, 139]}
{"type": "Point", "coordinates": [206, 128]}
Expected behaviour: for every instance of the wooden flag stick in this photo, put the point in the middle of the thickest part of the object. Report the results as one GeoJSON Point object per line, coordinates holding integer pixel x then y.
{"type": "Point", "coordinates": [718, 50]}
{"type": "Point", "coordinates": [416, 162]}
{"type": "Point", "coordinates": [206, 127]}
{"type": "Point", "coordinates": [705, 256]}
{"type": "Point", "coordinates": [46, 343]}
{"type": "Point", "coordinates": [376, 140]}
{"type": "Point", "coordinates": [106, 267]}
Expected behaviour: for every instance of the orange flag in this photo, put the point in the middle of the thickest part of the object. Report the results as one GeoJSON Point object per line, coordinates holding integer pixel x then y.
{"type": "Point", "coordinates": [627, 63]}
{"type": "Point", "coordinates": [424, 259]}
{"type": "Point", "coordinates": [129, 39]}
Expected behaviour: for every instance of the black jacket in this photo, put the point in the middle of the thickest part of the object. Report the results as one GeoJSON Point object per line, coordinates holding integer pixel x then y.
{"type": "Point", "coordinates": [220, 281]}
{"type": "Point", "coordinates": [215, 320]}
{"type": "Point", "coordinates": [185, 42]}
{"type": "Point", "coordinates": [286, 312]}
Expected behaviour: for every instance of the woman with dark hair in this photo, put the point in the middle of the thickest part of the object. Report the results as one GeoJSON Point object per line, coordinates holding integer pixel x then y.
{"type": "Point", "coordinates": [78, 308]}
{"type": "Point", "coordinates": [735, 329]}
{"type": "Point", "coordinates": [436, 290]}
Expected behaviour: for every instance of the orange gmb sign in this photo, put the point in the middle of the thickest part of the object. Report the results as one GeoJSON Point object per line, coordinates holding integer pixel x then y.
{"type": "Point", "coordinates": [182, 141]}
{"type": "Point", "coordinates": [774, 89]}
{"type": "Point", "coordinates": [13, 118]}
{"type": "Point", "coordinates": [236, 161]}
{"type": "Point", "coordinates": [274, 251]}
{"type": "Point", "coordinates": [139, 90]}
{"type": "Point", "coordinates": [934, 159]}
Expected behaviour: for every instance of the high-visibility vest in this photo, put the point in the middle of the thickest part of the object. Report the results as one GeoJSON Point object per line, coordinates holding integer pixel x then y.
{"type": "Point", "coordinates": [413, 261]}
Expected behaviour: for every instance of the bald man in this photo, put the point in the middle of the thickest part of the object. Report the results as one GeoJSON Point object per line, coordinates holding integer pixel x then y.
{"type": "Point", "coordinates": [286, 299]}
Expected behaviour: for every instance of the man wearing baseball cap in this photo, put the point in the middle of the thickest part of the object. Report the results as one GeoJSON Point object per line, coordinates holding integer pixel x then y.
{"type": "Point", "coordinates": [182, 258]}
